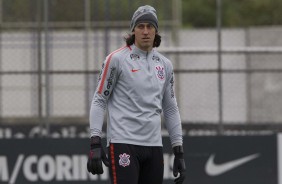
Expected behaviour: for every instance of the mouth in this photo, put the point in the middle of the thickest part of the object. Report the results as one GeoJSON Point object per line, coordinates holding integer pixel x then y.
{"type": "Point", "coordinates": [146, 39]}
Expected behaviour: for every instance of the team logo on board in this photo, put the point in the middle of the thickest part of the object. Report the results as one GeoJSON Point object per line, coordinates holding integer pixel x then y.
{"type": "Point", "coordinates": [160, 72]}
{"type": "Point", "coordinates": [124, 160]}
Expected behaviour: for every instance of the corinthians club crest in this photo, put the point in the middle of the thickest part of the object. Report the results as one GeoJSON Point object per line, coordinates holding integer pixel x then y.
{"type": "Point", "coordinates": [160, 72]}
{"type": "Point", "coordinates": [124, 160]}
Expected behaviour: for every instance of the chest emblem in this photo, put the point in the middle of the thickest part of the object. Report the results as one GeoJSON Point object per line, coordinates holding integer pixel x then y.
{"type": "Point", "coordinates": [134, 57]}
{"type": "Point", "coordinates": [124, 159]}
{"type": "Point", "coordinates": [160, 72]}
{"type": "Point", "coordinates": [156, 59]}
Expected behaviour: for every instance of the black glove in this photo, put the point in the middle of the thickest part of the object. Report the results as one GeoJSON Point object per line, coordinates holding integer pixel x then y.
{"type": "Point", "coordinates": [96, 156]}
{"type": "Point", "coordinates": [179, 164]}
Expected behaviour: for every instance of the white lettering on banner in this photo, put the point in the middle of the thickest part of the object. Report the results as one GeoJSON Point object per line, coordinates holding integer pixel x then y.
{"type": "Point", "coordinates": [168, 165]}
{"type": "Point", "coordinates": [64, 166]}
{"type": "Point", "coordinates": [37, 131]}
{"type": "Point", "coordinates": [16, 169]}
{"type": "Point", "coordinates": [279, 153]}
{"type": "Point", "coordinates": [27, 171]}
{"type": "Point", "coordinates": [5, 133]}
{"type": "Point", "coordinates": [59, 168]}
{"type": "Point", "coordinates": [4, 171]}
{"type": "Point", "coordinates": [46, 168]}
{"type": "Point", "coordinates": [75, 169]}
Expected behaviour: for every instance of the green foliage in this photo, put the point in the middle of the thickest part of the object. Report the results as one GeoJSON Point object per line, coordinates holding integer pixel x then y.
{"type": "Point", "coordinates": [199, 13]}
{"type": "Point", "coordinates": [17, 10]}
{"type": "Point", "coordinates": [235, 13]}
{"type": "Point", "coordinates": [195, 13]}
{"type": "Point", "coordinates": [63, 10]}
{"type": "Point", "coordinates": [244, 13]}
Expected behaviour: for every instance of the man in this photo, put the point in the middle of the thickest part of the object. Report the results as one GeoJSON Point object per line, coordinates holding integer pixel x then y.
{"type": "Point", "coordinates": [136, 86]}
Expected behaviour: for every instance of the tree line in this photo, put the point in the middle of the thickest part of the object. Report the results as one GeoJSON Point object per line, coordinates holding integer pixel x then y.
{"type": "Point", "coordinates": [235, 13]}
{"type": "Point", "coordinates": [195, 13]}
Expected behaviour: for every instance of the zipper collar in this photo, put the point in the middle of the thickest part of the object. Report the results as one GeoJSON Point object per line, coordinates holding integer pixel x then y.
{"type": "Point", "coordinates": [140, 52]}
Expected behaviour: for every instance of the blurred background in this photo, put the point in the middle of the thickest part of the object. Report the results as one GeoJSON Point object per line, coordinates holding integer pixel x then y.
{"type": "Point", "coordinates": [226, 56]}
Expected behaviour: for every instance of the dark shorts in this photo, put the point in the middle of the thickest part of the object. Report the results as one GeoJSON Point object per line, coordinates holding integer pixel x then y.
{"type": "Point", "coordinates": [131, 164]}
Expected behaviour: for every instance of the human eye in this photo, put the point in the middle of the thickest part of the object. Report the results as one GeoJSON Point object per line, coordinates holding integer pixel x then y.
{"type": "Point", "coordinates": [150, 26]}
{"type": "Point", "coordinates": [140, 26]}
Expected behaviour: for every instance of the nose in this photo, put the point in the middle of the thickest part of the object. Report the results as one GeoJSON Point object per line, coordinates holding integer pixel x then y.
{"type": "Point", "coordinates": [145, 30]}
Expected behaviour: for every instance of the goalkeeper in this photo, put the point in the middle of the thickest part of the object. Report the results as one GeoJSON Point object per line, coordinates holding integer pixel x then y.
{"type": "Point", "coordinates": [136, 85]}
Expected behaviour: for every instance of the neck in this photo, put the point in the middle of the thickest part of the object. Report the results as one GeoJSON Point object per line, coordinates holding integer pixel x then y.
{"type": "Point", "coordinates": [144, 48]}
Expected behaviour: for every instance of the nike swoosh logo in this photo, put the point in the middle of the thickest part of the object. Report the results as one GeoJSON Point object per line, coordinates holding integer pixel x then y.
{"type": "Point", "coordinates": [135, 70]}
{"type": "Point", "coordinates": [214, 169]}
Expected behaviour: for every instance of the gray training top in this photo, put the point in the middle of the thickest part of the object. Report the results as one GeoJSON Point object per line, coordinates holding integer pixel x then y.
{"type": "Point", "coordinates": [136, 86]}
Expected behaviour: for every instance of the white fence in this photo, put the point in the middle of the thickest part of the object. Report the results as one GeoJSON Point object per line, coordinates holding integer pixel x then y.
{"type": "Point", "coordinates": [250, 71]}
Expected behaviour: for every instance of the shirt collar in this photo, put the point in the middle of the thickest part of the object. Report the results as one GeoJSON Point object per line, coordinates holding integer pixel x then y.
{"type": "Point", "coordinates": [140, 52]}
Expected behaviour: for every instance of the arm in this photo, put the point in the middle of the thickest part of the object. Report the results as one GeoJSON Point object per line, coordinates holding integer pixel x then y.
{"type": "Point", "coordinates": [171, 112]}
{"type": "Point", "coordinates": [173, 124]}
{"type": "Point", "coordinates": [106, 83]}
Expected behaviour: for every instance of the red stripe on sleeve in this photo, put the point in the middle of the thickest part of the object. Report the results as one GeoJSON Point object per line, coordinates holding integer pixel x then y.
{"type": "Point", "coordinates": [106, 69]}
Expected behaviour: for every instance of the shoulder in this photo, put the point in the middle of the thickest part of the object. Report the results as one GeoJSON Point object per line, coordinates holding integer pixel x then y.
{"type": "Point", "coordinates": [119, 53]}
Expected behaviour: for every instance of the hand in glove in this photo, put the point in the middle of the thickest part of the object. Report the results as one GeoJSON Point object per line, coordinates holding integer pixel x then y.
{"type": "Point", "coordinates": [179, 164]}
{"type": "Point", "coordinates": [96, 156]}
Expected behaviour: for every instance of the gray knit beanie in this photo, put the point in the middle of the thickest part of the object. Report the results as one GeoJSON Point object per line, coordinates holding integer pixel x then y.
{"type": "Point", "coordinates": [144, 14]}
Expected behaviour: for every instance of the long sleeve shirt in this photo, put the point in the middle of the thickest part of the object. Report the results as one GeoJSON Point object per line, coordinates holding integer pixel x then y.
{"type": "Point", "coordinates": [136, 87]}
